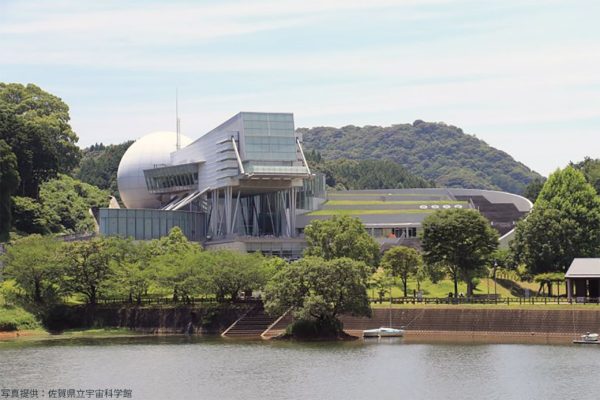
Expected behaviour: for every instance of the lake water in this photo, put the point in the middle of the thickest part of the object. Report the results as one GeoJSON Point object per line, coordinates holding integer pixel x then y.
{"type": "Point", "coordinates": [199, 368]}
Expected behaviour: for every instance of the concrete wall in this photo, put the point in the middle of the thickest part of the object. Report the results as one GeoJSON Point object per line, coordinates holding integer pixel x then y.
{"type": "Point", "coordinates": [472, 319]}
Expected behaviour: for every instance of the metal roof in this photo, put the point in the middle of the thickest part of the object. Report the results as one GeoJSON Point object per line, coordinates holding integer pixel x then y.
{"type": "Point", "coordinates": [584, 268]}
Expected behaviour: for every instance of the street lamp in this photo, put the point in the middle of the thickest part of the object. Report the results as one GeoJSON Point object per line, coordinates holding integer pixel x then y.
{"type": "Point", "coordinates": [495, 267]}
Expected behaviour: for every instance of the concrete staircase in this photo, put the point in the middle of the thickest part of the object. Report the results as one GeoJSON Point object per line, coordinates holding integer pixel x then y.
{"type": "Point", "coordinates": [251, 325]}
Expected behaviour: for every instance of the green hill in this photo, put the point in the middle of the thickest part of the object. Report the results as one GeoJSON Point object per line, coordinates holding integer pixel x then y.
{"type": "Point", "coordinates": [434, 151]}
{"type": "Point", "coordinates": [99, 165]}
{"type": "Point", "coordinates": [343, 174]}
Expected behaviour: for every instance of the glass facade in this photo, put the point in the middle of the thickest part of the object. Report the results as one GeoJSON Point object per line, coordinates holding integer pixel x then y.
{"type": "Point", "coordinates": [405, 233]}
{"type": "Point", "coordinates": [269, 137]}
{"type": "Point", "coordinates": [311, 188]}
{"type": "Point", "coordinates": [149, 224]}
{"type": "Point", "coordinates": [169, 179]}
{"type": "Point", "coordinates": [289, 250]}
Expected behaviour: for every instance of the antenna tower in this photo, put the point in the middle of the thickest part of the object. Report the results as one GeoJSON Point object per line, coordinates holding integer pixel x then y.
{"type": "Point", "coordinates": [177, 122]}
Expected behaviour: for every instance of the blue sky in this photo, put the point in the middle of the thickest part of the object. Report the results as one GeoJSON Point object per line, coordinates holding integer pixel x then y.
{"type": "Point", "coordinates": [522, 75]}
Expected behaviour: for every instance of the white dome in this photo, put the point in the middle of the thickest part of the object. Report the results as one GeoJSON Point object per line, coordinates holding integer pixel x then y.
{"type": "Point", "coordinates": [147, 152]}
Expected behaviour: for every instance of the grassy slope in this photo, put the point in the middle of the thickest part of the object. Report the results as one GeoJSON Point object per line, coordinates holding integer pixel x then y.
{"type": "Point", "coordinates": [15, 318]}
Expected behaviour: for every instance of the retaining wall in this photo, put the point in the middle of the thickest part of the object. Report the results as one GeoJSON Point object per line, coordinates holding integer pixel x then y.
{"type": "Point", "coordinates": [465, 319]}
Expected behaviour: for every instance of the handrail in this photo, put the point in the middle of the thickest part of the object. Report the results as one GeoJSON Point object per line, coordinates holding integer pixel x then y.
{"type": "Point", "coordinates": [262, 335]}
{"type": "Point", "coordinates": [488, 300]}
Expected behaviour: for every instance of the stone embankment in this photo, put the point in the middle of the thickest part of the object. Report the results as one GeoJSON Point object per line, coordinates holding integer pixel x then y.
{"type": "Point", "coordinates": [245, 321]}
{"type": "Point", "coordinates": [481, 321]}
{"type": "Point", "coordinates": [191, 319]}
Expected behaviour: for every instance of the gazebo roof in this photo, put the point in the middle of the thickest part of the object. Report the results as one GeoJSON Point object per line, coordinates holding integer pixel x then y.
{"type": "Point", "coordinates": [584, 268]}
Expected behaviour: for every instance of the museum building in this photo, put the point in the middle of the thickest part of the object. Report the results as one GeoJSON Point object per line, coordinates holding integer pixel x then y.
{"type": "Point", "coordinates": [247, 185]}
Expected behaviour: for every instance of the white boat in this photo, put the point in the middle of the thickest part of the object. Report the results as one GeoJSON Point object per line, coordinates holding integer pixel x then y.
{"type": "Point", "coordinates": [383, 332]}
{"type": "Point", "coordinates": [591, 338]}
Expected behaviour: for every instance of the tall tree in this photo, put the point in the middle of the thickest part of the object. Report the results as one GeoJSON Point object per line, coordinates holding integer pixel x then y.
{"type": "Point", "coordinates": [63, 205]}
{"type": "Point", "coordinates": [9, 182]}
{"type": "Point", "coordinates": [320, 290]}
{"type": "Point", "coordinates": [341, 237]}
{"type": "Point", "coordinates": [460, 240]}
{"type": "Point", "coordinates": [35, 124]}
{"type": "Point", "coordinates": [401, 262]}
{"type": "Point", "coordinates": [173, 263]}
{"type": "Point", "coordinates": [564, 224]}
{"type": "Point", "coordinates": [228, 273]}
{"type": "Point", "coordinates": [35, 263]}
{"type": "Point", "coordinates": [87, 268]}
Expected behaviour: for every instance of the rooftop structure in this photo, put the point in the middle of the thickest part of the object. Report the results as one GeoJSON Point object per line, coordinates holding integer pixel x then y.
{"type": "Point", "coordinates": [583, 278]}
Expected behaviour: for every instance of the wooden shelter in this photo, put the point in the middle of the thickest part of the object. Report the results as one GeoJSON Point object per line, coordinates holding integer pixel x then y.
{"type": "Point", "coordinates": [583, 279]}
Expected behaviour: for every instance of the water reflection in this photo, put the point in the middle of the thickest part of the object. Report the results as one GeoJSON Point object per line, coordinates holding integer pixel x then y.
{"type": "Point", "coordinates": [390, 368]}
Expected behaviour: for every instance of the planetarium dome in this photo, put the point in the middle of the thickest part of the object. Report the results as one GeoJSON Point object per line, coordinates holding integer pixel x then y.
{"type": "Point", "coordinates": [150, 151]}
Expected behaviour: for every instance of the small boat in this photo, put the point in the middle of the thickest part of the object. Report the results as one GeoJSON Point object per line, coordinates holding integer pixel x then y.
{"type": "Point", "coordinates": [588, 338]}
{"type": "Point", "coordinates": [383, 332]}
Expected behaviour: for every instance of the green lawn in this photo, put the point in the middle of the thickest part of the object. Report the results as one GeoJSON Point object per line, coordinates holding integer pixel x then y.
{"type": "Point", "coordinates": [391, 202]}
{"type": "Point", "coordinates": [371, 212]}
{"type": "Point", "coordinates": [442, 288]}
{"type": "Point", "coordinates": [343, 193]}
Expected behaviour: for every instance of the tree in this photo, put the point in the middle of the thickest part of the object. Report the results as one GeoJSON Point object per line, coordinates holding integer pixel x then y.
{"type": "Point", "coordinates": [381, 282]}
{"type": "Point", "coordinates": [132, 276]}
{"type": "Point", "coordinates": [71, 200]}
{"type": "Point", "coordinates": [35, 263]}
{"type": "Point", "coordinates": [320, 290]}
{"type": "Point", "coordinates": [35, 124]}
{"type": "Point", "coordinates": [532, 190]}
{"type": "Point", "coordinates": [30, 216]}
{"type": "Point", "coordinates": [99, 165]}
{"type": "Point", "coordinates": [181, 274]}
{"type": "Point", "coordinates": [402, 262]}
{"type": "Point", "coordinates": [229, 272]}
{"type": "Point", "coordinates": [87, 269]}
{"type": "Point", "coordinates": [9, 182]}
{"type": "Point", "coordinates": [564, 224]}
{"type": "Point", "coordinates": [365, 174]}
{"type": "Point", "coordinates": [462, 241]}
{"type": "Point", "coordinates": [174, 263]}
{"type": "Point", "coordinates": [63, 206]}
{"type": "Point", "coordinates": [591, 170]}
{"type": "Point", "coordinates": [341, 237]}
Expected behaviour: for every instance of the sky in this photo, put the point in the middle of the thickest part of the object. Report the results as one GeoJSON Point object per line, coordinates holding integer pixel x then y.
{"type": "Point", "coordinates": [522, 75]}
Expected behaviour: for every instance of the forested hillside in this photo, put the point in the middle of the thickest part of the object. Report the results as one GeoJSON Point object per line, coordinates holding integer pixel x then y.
{"type": "Point", "coordinates": [346, 174]}
{"type": "Point", "coordinates": [434, 151]}
{"type": "Point", "coordinates": [38, 149]}
{"type": "Point", "coordinates": [99, 165]}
